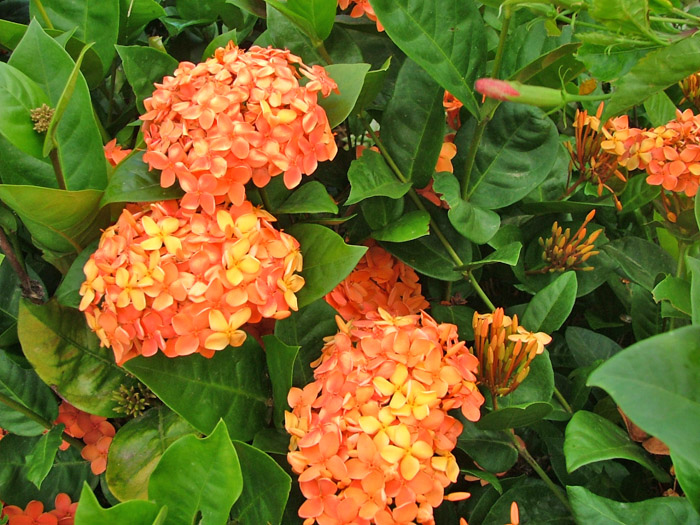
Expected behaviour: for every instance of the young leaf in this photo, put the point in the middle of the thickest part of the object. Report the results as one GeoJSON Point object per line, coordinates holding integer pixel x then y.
{"type": "Point", "coordinates": [312, 197]}
{"type": "Point", "coordinates": [135, 512]}
{"type": "Point", "coordinates": [551, 306]}
{"type": "Point", "coordinates": [198, 476]}
{"type": "Point", "coordinates": [370, 176]}
{"type": "Point", "coordinates": [280, 364]}
{"type": "Point", "coordinates": [41, 458]}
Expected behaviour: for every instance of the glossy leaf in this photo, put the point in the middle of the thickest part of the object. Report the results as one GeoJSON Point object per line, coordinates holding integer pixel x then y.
{"type": "Point", "coordinates": [143, 66]}
{"type": "Point", "coordinates": [132, 181]}
{"type": "Point", "coordinates": [327, 260]}
{"type": "Point", "coordinates": [198, 475]}
{"type": "Point", "coordinates": [67, 355]}
{"type": "Point", "coordinates": [229, 386]}
{"type": "Point", "coordinates": [41, 458]}
{"type": "Point", "coordinates": [590, 509]}
{"type": "Point", "coordinates": [24, 387]}
{"type": "Point", "coordinates": [538, 386]}
{"type": "Point", "coordinates": [265, 488]}
{"type": "Point", "coordinates": [136, 512]}
{"type": "Point", "coordinates": [591, 438]}
{"type": "Point", "coordinates": [413, 123]}
{"type": "Point", "coordinates": [507, 254]}
{"type": "Point", "coordinates": [536, 503]}
{"type": "Point", "coordinates": [411, 225]}
{"type": "Point", "coordinates": [445, 37]}
{"type": "Point", "coordinates": [371, 87]}
{"type": "Point", "coordinates": [370, 176]}
{"type": "Point", "coordinates": [587, 346]}
{"type": "Point", "coordinates": [312, 197]}
{"type": "Point", "coordinates": [350, 78]}
{"type": "Point", "coordinates": [134, 15]}
{"type": "Point", "coordinates": [493, 450]}
{"type": "Point", "coordinates": [136, 449]}
{"type": "Point", "coordinates": [551, 306]}
{"type": "Point", "coordinates": [516, 153]}
{"type": "Point", "coordinates": [514, 417]}
{"type": "Point", "coordinates": [280, 364]}
{"type": "Point", "coordinates": [314, 17]}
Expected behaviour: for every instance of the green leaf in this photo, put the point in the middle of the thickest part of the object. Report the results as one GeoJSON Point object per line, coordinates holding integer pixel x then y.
{"type": "Point", "coordinates": [462, 316]}
{"type": "Point", "coordinates": [80, 148]}
{"type": "Point", "coordinates": [327, 260]}
{"type": "Point", "coordinates": [687, 471]}
{"type": "Point", "coordinates": [473, 222]}
{"type": "Point", "coordinates": [143, 66]}
{"type": "Point", "coordinates": [590, 509]}
{"type": "Point", "coordinates": [41, 458]}
{"type": "Point", "coordinates": [220, 41]}
{"type": "Point", "coordinates": [67, 293]}
{"type": "Point", "coordinates": [445, 37]}
{"type": "Point", "coordinates": [676, 291]}
{"type": "Point", "coordinates": [516, 153]}
{"type": "Point", "coordinates": [536, 502]}
{"type": "Point", "coordinates": [493, 450]}
{"type": "Point", "coordinates": [551, 69]}
{"type": "Point", "coordinates": [265, 488]}
{"type": "Point", "coordinates": [59, 220]}
{"type": "Point", "coordinates": [313, 17]}
{"type": "Point", "coordinates": [134, 15]}
{"type": "Point", "coordinates": [660, 109]}
{"type": "Point", "coordinates": [136, 512]}
{"type": "Point", "coordinates": [655, 382]}
{"type": "Point", "coordinates": [370, 176]}
{"type": "Point", "coordinates": [538, 386]}
{"type": "Point", "coordinates": [132, 181]}
{"type": "Point", "coordinates": [645, 313]}
{"type": "Point", "coordinates": [198, 475]}
{"type": "Point", "coordinates": [411, 225]}
{"type": "Point", "coordinates": [514, 417]}
{"type": "Point", "coordinates": [628, 16]}
{"type": "Point", "coordinates": [280, 364]}
{"type": "Point", "coordinates": [587, 347]}
{"type": "Point", "coordinates": [693, 266]}
{"type": "Point", "coordinates": [508, 254]}
{"type": "Point", "coordinates": [24, 387]}
{"type": "Point", "coordinates": [67, 355]}
{"type": "Point", "coordinates": [591, 438]}
{"type": "Point", "coordinates": [655, 72]}
{"type": "Point", "coordinates": [228, 386]}
{"type": "Point", "coordinates": [136, 449]}
{"type": "Point", "coordinates": [413, 123]}
{"type": "Point", "coordinates": [350, 78]}
{"type": "Point", "coordinates": [19, 94]}
{"type": "Point", "coordinates": [67, 475]}
{"type": "Point", "coordinates": [637, 193]}
{"type": "Point", "coordinates": [607, 62]}
{"type": "Point", "coordinates": [312, 197]}
{"type": "Point", "coordinates": [640, 260]}
{"type": "Point", "coordinates": [551, 306]}
{"type": "Point", "coordinates": [371, 87]}
{"type": "Point", "coordinates": [92, 22]}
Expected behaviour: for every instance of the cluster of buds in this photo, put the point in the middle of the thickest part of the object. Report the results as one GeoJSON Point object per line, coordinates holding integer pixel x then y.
{"type": "Point", "coordinates": [33, 513]}
{"type": "Point", "coordinates": [134, 400]}
{"type": "Point", "coordinates": [95, 431]}
{"type": "Point", "coordinates": [237, 116]}
{"type": "Point", "coordinates": [166, 279]}
{"type": "Point", "coordinates": [41, 117]}
{"type": "Point", "coordinates": [563, 252]}
{"type": "Point", "coordinates": [589, 159]}
{"type": "Point", "coordinates": [360, 8]}
{"type": "Point", "coordinates": [378, 281]}
{"type": "Point", "coordinates": [691, 89]}
{"type": "Point", "coordinates": [504, 350]}
{"type": "Point", "coordinates": [670, 154]}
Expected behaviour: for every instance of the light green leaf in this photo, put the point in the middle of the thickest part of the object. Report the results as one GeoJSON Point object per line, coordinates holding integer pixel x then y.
{"type": "Point", "coordinates": [676, 291]}
{"type": "Point", "coordinates": [136, 512]}
{"type": "Point", "coordinates": [312, 197]}
{"type": "Point", "coordinates": [41, 458]}
{"type": "Point", "coordinates": [411, 225]}
{"type": "Point", "coordinates": [313, 17]}
{"type": "Point", "coordinates": [551, 306]}
{"type": "Point", "coordinates": [660, 109]}
{"type": "Point", "coordinates": [370, 176]}
{"type": "Point", "coordinates": [280, 365]}
{"type": "Point", "coordinates": [508, 254]}
{"type": "Point", "coordinates": [350, 78]}
{"type": "Point", "coordinates": [693, 265]}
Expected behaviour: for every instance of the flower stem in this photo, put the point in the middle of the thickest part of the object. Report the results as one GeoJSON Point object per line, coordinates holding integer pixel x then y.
{"type": "Point", "coordinates": [564, 402]}
{"type": "Point", "coordinates": [57, 169]}
{"type": "Point", "coordinates": [30, 414]}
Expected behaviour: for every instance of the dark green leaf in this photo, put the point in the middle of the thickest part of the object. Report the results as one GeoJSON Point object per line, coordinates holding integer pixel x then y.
{"type": "Point", "coordinates": [228, 386]}
{"type": "Point", "coordinates": [591, 438]}
{"type": "Point", "coordinates": [327, 260]}
{"type": "Point", "coordinates": [637, 193]}
{"type": "Point", "coordinates": [514, 417]}
{"type": "Point", "coordinates": [381, 211]}
{"type": "Point", "coordinates": [590, 509]}
{"type": "Point", "coordinates": [372, 86]}
{"type": "Point", "coordinates": [24, 387]}
{"type": "Point", "coordinates": [536, 503]}
{"type": "Point", "coordinates": [256, 7]}
{"type": "Point", "coordinates": [136, 512]}
{"type": "Point", "coordinates": [136, 449]}
{"type": "Point", "coordinates": [551, 69]}
{"type": "Point", "coordinates": [411, 225]}
{"type": "Point", "coordinates": [588, 347]}
{"type": "Point", "coordinates": [67, 355]}
{"type": "Point", "coordinates": [370, 176]}
{"type": "Point", "coordinates": [41, 458]}
{"type": "Point", "coordinates": [608, 63]}
{"type": "Point", "coordinates": [134, 15]}
{"type": "Point", "coordinates": [312, 197]}
{"type": "Point", "coordinates": [445, 37]}
{"type": "Point", "coordinates": [516, 153]}
{"type": "Point", "coordinates": [508, 254]}
{"type": "Point", "coordinates": [645, 313]}
{"type": "Point", "coordinates": [349, 78]}
{"type": "Point", "coordinates": [67, 292]}
{"type": "Point", "coordinates": [143, 66]}
{"type": "Point", "coordinates": [551, 306]}
{"type": "Point", "coordinates": [413, 123]}
{"type": "Point", "coordinates": [198, 475]}
{"type": "Point", "coordinates": [462, 316]}
{"type": "Point", "coordinates": [660, 109]}
{"type": "Point", "coordinates": [693, 265]}
{"type": "Point", "coordinates": [280, 364]}
{"type": "Point", "coordinates": [272, 441]}
{"type": "Point", "coordinates": [265, 488]}
{"type": "Point", "coordinates": [492, 450]}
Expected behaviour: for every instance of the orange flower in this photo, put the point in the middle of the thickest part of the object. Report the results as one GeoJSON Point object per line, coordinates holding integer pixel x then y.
{"type": "Point", "coordinates": [181, 282]}
{"type": "Point", "coordinates": [378, 281]}
{"type": "Point", "coordinates": [239, 115]}
{"type": "Point", "coordinates": [371, 436]}
{"type": "Point", "coordinates": [452, 107]}
{"type": "Point", "coordinates": [33, 513]}
{"type": "Point", "coordinates": [114, 153]}
{"type": "Point", "coordinates": [360, 8]}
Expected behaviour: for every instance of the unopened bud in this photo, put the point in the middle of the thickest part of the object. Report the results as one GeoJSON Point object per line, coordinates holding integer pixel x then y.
{"type": "Point", "coordinates": [518, 92]}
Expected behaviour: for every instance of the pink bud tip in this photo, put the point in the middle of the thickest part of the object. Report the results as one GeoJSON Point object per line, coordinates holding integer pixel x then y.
{"type": "Point", "coordinates": [494, 88]}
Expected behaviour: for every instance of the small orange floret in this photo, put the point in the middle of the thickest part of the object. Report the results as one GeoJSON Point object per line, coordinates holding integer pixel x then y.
{"type": "Point", "coordinates": [114, 153]}
{"type": "Point", "coordinates": [33, 513]}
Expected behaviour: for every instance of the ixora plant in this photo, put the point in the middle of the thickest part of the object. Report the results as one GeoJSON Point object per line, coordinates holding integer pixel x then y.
{"type": "Point", "coordinates": [349, 262]}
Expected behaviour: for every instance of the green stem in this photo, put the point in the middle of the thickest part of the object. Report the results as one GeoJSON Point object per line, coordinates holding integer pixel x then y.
{"type": "Point", "coordinates": [487, 111]}
{"type": "Point", "coordinates": [43, 13]}
{"type": "Point", "coordinates": [556, 489]}
{"type": "Point", "coordinates": [55, 162]}
{"type": "Point", "coordinates": [323, 52]}
{"type": "Point", "coordinates": [30, 414]}
{"type": "Point", "coordinates": [680, 268]}
{"type": "Point", "coordinates": [685, 15]}
{"type": "Point", "coordinates": [448, 290]}
{"type": "Point", "coordinates": [563, 401]}
{"type": "Point", "coordinates": [501, 42]}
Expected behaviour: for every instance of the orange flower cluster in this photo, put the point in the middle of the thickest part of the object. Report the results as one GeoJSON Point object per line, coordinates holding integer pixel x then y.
{"type": "Point", "coordinates": [563, 252]}
{"type": "Point", "coordinates": [95, 431]}
{"type": "Point", "coordinates": [164, 278]}
{"type": "Point", "coordinates": [378, 281]}
{"type": "Point", "coordinates": [670, 154]}
{"type": "Point", "coordinates": [690, 86]}
{"type": "Point", "coordinates": [359, 8]}
{"type": "Point", "coordinates": [33, 513]}
{"type": "Point", "coordinates": [239, 115]}
{"type": "Point", "coordinates": [371, 436]}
